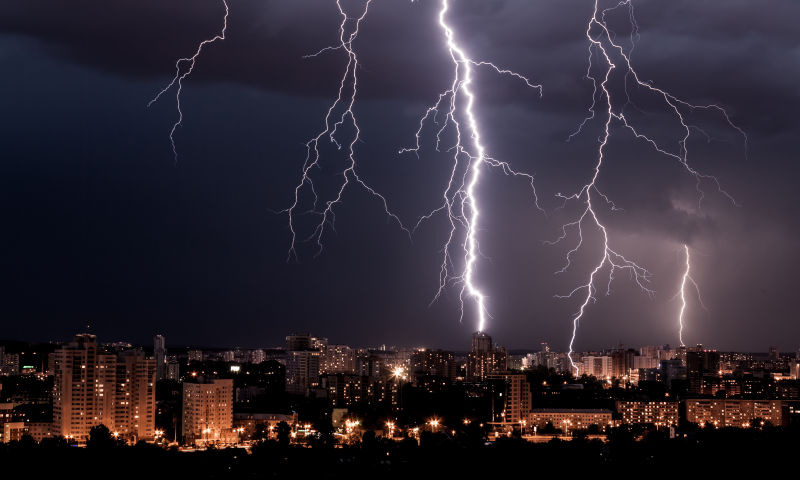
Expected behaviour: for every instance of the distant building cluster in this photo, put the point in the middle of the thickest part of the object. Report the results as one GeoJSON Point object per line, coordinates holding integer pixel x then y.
{"type": "Point", "coordinates": [199, 396]}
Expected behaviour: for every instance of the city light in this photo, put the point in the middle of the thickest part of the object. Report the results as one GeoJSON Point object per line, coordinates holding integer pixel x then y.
{"type": "Point", "coordinates": [434, 424]}
{"type": "Point", "coordinates": [399, 372]}
{"type": "Point", "coordinates": [350, 425]}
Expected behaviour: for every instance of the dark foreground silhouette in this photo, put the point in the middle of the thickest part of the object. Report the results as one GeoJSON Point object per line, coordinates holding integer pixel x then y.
{"type": "Point", "coordinates": [703, 451]}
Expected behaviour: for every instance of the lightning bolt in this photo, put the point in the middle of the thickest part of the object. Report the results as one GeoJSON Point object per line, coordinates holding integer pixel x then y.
{"type": "Point", "coordinates": [460, 203]}
{"type": "Point", "coordinates": [179, 77]}
{"type": "Point", "coordinates": [687, 278]}
{"type": "Point", "coordinates": [603, 44]}
{"type": "Point", "coordinates": [339, 113]}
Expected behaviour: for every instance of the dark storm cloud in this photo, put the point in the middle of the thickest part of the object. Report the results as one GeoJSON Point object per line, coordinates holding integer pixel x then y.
{"type": "Point", "coordinates": [102, 225]}
{"type": "Point", "coordinates": [268, 39]}
{"type": "Point", "coordinates": [265, 45]}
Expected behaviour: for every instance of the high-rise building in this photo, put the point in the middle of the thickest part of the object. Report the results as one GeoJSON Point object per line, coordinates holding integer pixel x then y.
{"type": "Point", "coordinates": [173, 369]}
{"type": "Point", "coordinates": [195, 355]}
{"type": "Point", "coordinates": [641, 362]}
{"type": "Point", "coordinates": [517, 396]}
{"type": "Point", "coordinates": [484, 358]}
{"type": "Point", "coordinates": [302, 364]}
{"type": "Point", "coordinates": [481, 342]}
{"type": "Point", "coordinates": [346, 390]}
{"type": "Point", "coordinates": [659, 352]}
{"type": "Point", "coordinates": [208, 412]}
{"type": "Point", "coordinates": [774, 353]}
{"type": "Point", "coordinates": [298, 341]}
{"type": "Point", "coordinates": [302, 371]}
{"type": "Point", "coordinates": [621, 362]}
{"type": "Point", "coordinates": [76, 390]}
{"type": "Point", "coordinates": [160, 354]}
{"type": "Point", "coordinates": [672, 370]}
{"type": "Point", "coordinates": [258, 356]}
{"type": "Point", "coordinates": [338, 359]}
{"type": "Point", "coordinates": [596, 366]}
{"type": "Point", "coordinates": [93, 387]}
{"type": "Point", "coordinates": [376, 364]}
{"type": "Point", "coordinates": [135, 396]}
{"type": "Point", "coordinates": [699, 363]}
{"type": "Point", "coordinates": [319, 343]}
{"type": "Point", "coordinates": [436, 363]}
{"type": "Point", "coordinates": [9, 364]}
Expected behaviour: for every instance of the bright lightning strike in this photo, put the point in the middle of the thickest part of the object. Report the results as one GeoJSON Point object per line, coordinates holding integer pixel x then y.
{"type": "Point", "coordinates": [459, 197]}
{"type": "Point", "coordinates": [339, 113]}
{"type": "Point", "coordinates": [179, 77]}
{"type": "Point", "coordinates": [686, 278]}
{"type": "Point", "coordinates": [603, 41]}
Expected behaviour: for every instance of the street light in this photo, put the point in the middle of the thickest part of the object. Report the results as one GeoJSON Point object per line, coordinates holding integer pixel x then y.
{"type": "Point", "coordinates": [350, 425]}
{"type": "Point", "coordinates": [399, 372]}
{"type": "Point", "coordinates": [434, 423]}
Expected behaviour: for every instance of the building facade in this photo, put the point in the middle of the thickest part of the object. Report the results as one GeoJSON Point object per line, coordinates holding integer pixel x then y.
{"type": "Point", "coordinates": [660, 414]}
{"type": "Point", "coordinates": [93, 387]}
{"type": "Point", "coordinates": [517, 396]}
{"type": "Point", "coordinates": [160, 355]}
{"type": "Point", "coordinates": [302, 371]}
{"type": "Point", "coordinates": [208, 412]}
{"type": "Point", "coordinates": [569, 419]}
{"type": "Point", "coordinates": [338, 359]}
{"type": "Point", "coordinates": [436, 363]}
{"type": "Point", "coordinates": [598, 366]}
{"type": "Point", "coordinates": [733, 413]}
{"type": "Point", "coordinates": [484, 358]}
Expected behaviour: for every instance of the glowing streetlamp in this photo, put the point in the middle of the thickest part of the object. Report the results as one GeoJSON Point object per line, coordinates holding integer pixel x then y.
{"type": "Point", "coordinates": [350, 425]}
{"type": "Point", "coordinates": [399, 373]}
{"type": "Point", "coordinates": [434, 423]}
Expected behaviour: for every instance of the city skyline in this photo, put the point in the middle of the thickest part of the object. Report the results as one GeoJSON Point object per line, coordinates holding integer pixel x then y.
{"type": "Point", "coordinates": [106, 227]}
{"type": "Point", "coordinates": [331, 400]}
{"type": "Point", "coordinates": [151, 344]}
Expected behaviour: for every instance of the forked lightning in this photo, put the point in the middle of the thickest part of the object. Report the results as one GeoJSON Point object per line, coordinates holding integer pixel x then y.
{"type": "Point", "coordinates": [603, 43]}
{"type": "Point", "coordinates": [178, 78]}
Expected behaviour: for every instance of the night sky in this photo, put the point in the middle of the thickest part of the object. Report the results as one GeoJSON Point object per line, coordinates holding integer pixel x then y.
{"type": "Point", "coordinates": [100, 224]}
